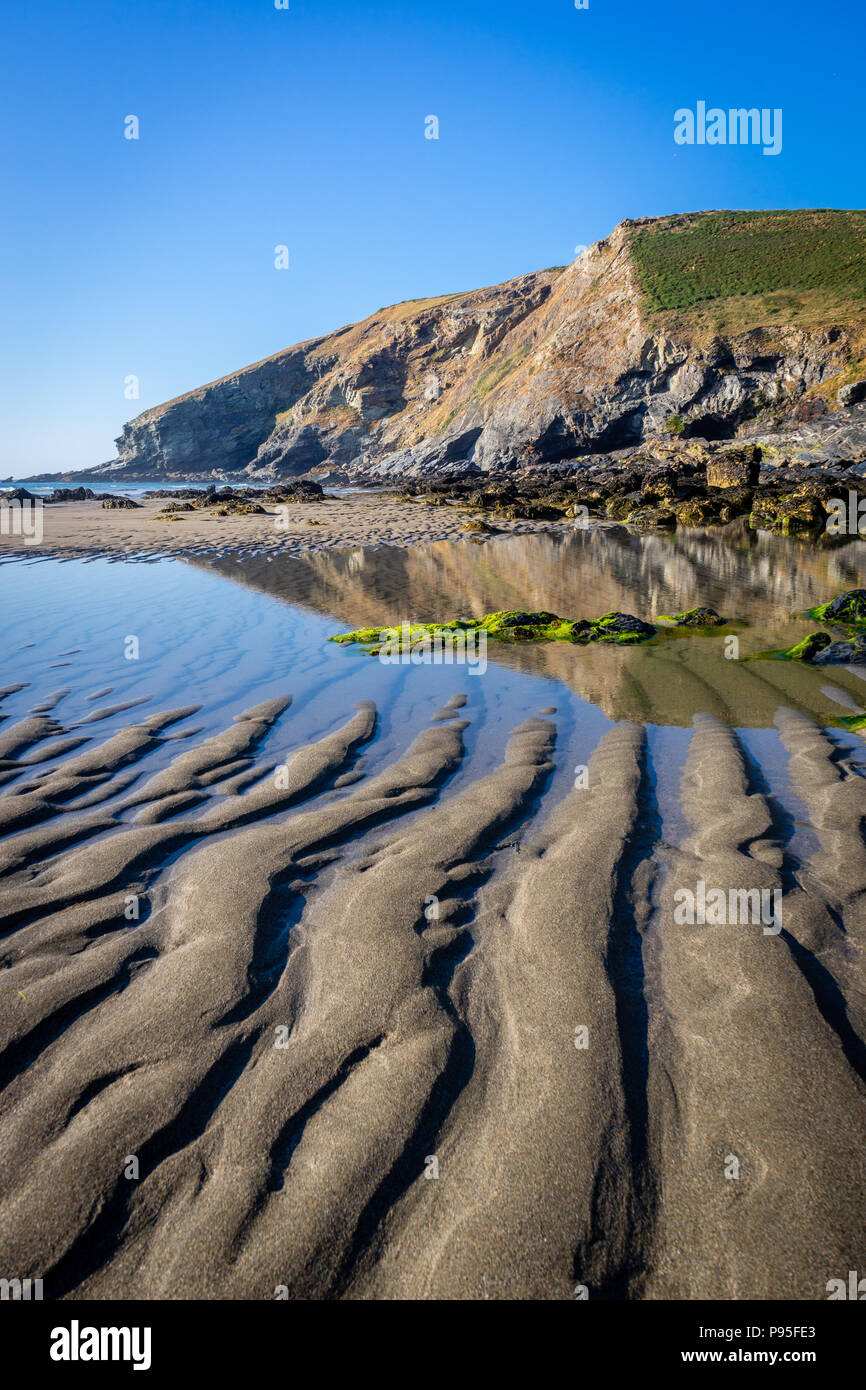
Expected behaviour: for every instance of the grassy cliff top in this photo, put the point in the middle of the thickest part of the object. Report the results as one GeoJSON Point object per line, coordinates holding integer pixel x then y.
{"type": "Point", "coordinates": [728, 272]}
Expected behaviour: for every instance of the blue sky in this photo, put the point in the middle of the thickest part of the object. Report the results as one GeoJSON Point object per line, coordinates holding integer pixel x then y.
{"type": "Point", "coordinates": [305, 127]}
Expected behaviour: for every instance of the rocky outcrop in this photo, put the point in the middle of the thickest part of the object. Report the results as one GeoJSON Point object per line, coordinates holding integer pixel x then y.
{"type": "Point", "coordinates": [544, 368]}
{"type": "Point", "coordinates": [853, 393]}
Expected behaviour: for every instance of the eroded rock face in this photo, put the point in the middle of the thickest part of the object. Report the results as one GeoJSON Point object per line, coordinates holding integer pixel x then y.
{"type": "Point", "coordinates": [541, 369]}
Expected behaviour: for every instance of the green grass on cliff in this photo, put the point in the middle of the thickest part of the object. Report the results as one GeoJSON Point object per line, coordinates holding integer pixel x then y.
{"type": "Point", "coordinates": [737, 270]}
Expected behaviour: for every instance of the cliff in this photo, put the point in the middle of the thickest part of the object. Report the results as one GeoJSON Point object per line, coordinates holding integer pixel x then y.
{"type": "Point", "coordinates": [709, 324]}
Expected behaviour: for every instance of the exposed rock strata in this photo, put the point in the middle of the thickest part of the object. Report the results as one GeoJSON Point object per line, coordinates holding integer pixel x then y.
{"type": "Point", "coordinates": [544, 367]}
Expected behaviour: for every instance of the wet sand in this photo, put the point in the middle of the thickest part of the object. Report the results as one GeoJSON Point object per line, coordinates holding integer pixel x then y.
{"type": "Point", "coordinates": [84, 528]}
{"type": "Point", "coordinates": [339, 1052]}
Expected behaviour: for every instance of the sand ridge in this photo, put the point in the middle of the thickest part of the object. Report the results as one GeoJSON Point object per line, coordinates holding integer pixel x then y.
{"type": "Point", "coordinates": [375, 1036]}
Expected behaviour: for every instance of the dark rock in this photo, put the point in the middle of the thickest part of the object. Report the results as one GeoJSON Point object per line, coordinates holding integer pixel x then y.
{"type": "Point", "coordinates": [841, 653]}
{"type": "Point", "coordinates": [791, 516]}
{"type": "Point", "coordinates": [621, 627]}
{"type": "Point", "coordinates": [694, 617]}
{"type": "Point", "coordinates": [808, 649]}
{"type": "Point", "coordinates": [294, 490]}
{"type": "Point", "coordinates": [659, 485]}
{"type": "Point", "coordinates": [849, 607]}
{"type": "Point", "coordinates": [649, 518]}
{"type": "Point", "coordinates": [734, 468]}
{"type": "Point", "coordinates": [852, 394]}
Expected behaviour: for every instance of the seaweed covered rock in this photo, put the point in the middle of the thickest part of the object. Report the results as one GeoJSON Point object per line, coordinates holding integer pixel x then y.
{"type": "Point", "coordinates": [237, 506]}
{"type": "Point", "coordinates": [189, 494]}
{"type": "Point", "coordinates": [620, 508]}
{"type": "Point", "coordinates": [693, 617]}
{"type": "Point", "coordinates": [512, 625]}
{"type": "Point", "coordinates": [794, 515]}
{"type": "Point", "coordinates": [623, 628]}
{"type": "Point", "coordinates": [659, 485]}
{"type": "Point", "coordinates": [67, 494]}
{"type": "Point", "coordinates": [701, 511]}
{"type": "Point", "coordinates": [509, 625]}
{"type": "Point", "coordinates": [809, 648]}
{"type": "Point", "coordinates": [848, 608]}
{"type": "Point", "coordinates": [116, 504]}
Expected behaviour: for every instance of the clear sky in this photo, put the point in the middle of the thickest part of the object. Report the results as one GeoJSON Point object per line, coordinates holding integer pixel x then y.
{"type": "Point", "coordinates": [305, 127]}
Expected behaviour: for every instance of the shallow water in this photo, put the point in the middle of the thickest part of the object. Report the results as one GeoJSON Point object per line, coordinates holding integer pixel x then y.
{"type": "Point", "coordinates": [225, 634]}
{"type": "Point", "coordinates": [293, 915]}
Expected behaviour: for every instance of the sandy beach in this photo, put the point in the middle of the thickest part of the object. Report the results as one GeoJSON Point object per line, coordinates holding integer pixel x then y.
{"type": "Point", "coordinates": [337, 523]}
{"type": "Point", "coordinates": [325, 979]}
{"type": "Point", "coordinates": [297, 1030]}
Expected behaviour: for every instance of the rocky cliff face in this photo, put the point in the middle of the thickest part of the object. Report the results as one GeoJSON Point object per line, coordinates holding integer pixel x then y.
{"type": "Point", "coordinates": [546, 367]}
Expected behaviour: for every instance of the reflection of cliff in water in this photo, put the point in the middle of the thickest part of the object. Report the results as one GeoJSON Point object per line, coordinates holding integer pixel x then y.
{"type": "Point", "coordinates": [750, 576]}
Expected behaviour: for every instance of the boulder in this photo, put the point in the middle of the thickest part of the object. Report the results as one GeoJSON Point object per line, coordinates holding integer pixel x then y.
{"type": "Point", "coordinates": [810, 646]}
{"type": "Point", "coordinates": [852, 394]}
{"type": "Point", "coordinates": [621, 627]}
{"type": "Point", "coordinates": [841, 653]}
{"type": "Point", "coordinates": [734, 467]}
{"type": "Point", "coordinates": [791, 516]}
{"type": "Point", "coordinates": [694, 617]}
{"type": "Point", "coordinates": [649, 518]}
{"type": "Point", "coordinates": [659, 485]}
{"type": "Point", "coordinates": [849, 607]}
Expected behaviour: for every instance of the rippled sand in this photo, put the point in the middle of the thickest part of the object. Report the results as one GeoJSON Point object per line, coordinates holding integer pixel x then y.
{"type": "Point", "coordinates": [332, 979]}
{"type": "Point", "coordinates": [292, 1039]}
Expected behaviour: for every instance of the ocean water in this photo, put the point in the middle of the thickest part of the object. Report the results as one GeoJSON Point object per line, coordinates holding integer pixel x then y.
{"type": "Point", "coordinates": [124, 489]}
{"type": "Point", "coordinates": [116, 488]}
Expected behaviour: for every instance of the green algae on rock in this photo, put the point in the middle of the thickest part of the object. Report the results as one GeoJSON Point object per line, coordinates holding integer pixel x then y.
{"type": "Point", "coordinates": [510, 625]}
{"type": "Point", "coordinates": [621, 628]}
{"type": "Point", "coordinates": [805, 650]}
{"type": "Point", "coordinates": [692, 617]}
{"type": "Point", "coordinates": [849, 609]}
{"type": "Point", "coordinates": [809, 647]}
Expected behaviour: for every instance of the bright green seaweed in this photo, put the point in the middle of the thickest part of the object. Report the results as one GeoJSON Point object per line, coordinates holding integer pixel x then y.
{"type": "Point", "coordinates": [509, 625]}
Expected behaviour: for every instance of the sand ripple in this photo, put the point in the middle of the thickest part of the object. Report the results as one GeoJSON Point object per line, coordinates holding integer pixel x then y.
{"type": "Point", "coordinates": [298, 1028]}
